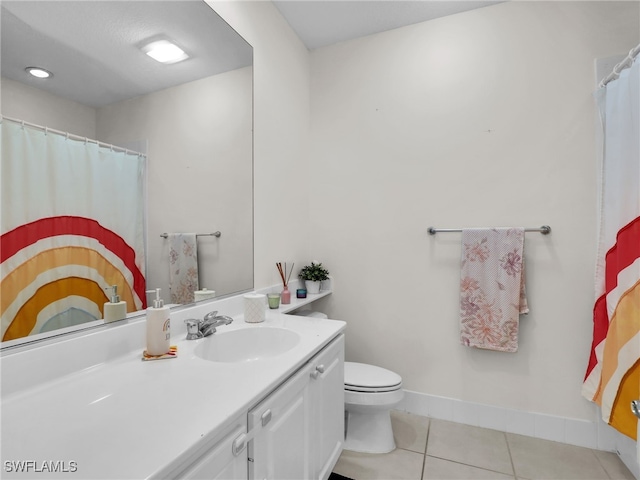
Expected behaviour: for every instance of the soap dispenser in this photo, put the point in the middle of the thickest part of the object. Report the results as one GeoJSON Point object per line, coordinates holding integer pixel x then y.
{"type": "Point", "coordinates": [158, 326]}
{"type": "Point", "coordinates": [115, 309]}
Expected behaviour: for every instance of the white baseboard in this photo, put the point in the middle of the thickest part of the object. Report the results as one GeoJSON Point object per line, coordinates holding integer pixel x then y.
{"type": "Point", "coordinates": [595, 435]}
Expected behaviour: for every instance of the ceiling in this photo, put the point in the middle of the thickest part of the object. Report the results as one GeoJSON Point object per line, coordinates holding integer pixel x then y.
{"type": "Point", "coordinates": [92, 47]}
{"type": "Point", "coordinates": [320, 23]}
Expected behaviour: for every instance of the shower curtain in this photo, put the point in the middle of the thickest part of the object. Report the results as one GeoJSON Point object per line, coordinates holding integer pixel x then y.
{"type": "Point", "coordinates": [613, 373]}
{"type": "Point", "coordinates": [72, 224]}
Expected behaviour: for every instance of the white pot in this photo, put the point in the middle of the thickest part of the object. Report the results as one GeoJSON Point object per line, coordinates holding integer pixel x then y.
{"type": "Point", "coordinates": [312, 286]}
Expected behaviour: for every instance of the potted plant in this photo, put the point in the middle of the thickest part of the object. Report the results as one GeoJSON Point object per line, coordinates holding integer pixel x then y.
{"type": "Point", "coordinates": [313, 275]}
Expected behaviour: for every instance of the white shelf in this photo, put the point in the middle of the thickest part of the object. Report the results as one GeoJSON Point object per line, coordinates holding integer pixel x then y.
{"type": "Point", "coordinates": [300, 302]}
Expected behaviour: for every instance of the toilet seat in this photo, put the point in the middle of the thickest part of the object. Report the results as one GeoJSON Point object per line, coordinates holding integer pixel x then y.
{"type": "Point", "coordinates": [364, 378]}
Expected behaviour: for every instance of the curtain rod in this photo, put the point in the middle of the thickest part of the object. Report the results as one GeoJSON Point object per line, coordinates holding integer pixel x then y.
{"type": "Point", "coordinates": [214, 234]}
{"type": "Point", "coordinates": [544, 229]}
{"type": "Point", "coordinates": [72, 136]}
{"type": "Point", "coordinates": [626, 62]}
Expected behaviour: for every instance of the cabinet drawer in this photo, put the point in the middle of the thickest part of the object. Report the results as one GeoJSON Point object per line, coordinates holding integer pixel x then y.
{"type": "Point", "coordinates": [219, 462]}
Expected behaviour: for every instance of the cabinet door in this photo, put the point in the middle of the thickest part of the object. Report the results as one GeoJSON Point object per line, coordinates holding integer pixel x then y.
{"type": "Point", "coordinates": [220, 462]}
{"type": "Point", "coordinates": [280, 448]}
{"type": "Point", "coordinates": [327, 408]}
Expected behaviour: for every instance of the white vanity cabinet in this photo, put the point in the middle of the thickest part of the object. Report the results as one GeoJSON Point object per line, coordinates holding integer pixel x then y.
{"type": "Point", "coordinates": [326, 391]}
{"type": "Point", "coordinates": [281, 426]}
{"type": "Point", "coordinates": [218, 460]}
{"type": "Point", "coordinates": [298, 430]}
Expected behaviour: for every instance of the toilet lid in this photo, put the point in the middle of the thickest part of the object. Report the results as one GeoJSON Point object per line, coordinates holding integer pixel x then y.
{"type": "Point", "coordinates": [360, 377]}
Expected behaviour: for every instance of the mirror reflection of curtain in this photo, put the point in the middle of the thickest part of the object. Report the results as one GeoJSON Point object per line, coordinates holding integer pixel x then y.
{"type": "Point", "coordinates": [64, 240]}
{"type": "Point", "coordinates": [613, 373]}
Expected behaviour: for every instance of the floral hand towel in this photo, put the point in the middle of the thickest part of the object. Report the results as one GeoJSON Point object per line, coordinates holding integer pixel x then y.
{"type": "Point", "coordinates": [492, 288]}
{"type": "Point", "coordinates": [183, 267]}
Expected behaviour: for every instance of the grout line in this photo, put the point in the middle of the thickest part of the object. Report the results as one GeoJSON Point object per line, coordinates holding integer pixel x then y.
{"type": "Point", "coordinates": [514, 475]}
{"type": "Point", "coordinates": [513, 467]}
{"type": "Point", "coordinates": [470, 465]}
{"type": "Point", "coordinates": [601, 464]}
{"type": "Point", "coordinates": [424, 457]}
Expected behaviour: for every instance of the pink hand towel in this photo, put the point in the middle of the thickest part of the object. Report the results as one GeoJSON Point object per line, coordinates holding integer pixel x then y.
{"type": "Point", "coordinates": [492, 288]}
{"type": "Point", "coordinates": [183, 267]}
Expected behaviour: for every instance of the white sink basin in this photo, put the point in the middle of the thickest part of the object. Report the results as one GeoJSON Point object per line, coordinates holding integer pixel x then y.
{"type": "Point", "coordinates": [246, 345]}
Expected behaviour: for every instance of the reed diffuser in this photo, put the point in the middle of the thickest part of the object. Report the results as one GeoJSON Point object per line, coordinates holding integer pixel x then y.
{"type": "Point", "coordinates": [285, 296]}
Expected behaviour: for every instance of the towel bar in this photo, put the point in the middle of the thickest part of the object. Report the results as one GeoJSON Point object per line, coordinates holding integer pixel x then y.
{"type": "Point", "coordinates": [214, 234]}
{"type": "Point", "coordinates": [544, 229]}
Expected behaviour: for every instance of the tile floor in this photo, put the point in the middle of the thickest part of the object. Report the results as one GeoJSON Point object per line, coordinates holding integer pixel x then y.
{"type": "Point", "coordinates": [437, 449]}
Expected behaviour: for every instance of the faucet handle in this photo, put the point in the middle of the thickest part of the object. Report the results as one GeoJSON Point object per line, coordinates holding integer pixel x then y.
{"type": "Point", "coordinates": [210, 315]}
{"type": "Point", "coordinates": [192, 322]}
{"type": "Point", "coordinates": [193, 328]}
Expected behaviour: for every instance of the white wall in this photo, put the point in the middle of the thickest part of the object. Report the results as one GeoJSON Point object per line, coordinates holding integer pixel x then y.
{"type": "Point", "coordinates": [204, 127]}
{"type": "Point", "coordinates": [281, 136]}
{"type": "Point", "coordinates": [41, 108]}
{"type": "Point", "coordinates": [484, 118]}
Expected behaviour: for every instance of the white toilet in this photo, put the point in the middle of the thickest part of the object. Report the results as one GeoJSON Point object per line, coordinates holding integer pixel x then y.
{"type": "Point", "coordinates": [370, 393]}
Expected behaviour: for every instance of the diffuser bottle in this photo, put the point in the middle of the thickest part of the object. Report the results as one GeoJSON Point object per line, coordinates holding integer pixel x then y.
{"type": "Point", "coordinates": [115, 309]}
{"type": "Point", "coordinates": [158, 327]}
{"type": "Point", "coordinates": [285, 296]}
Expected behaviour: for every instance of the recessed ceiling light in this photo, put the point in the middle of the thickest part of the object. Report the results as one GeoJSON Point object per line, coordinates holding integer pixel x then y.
{"type": "Point", "coordinates": [165, 52]}
{"type": "Point", "coordinates": [39, 72]}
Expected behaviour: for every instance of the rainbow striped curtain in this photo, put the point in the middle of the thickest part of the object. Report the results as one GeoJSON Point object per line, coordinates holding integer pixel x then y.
{"type": "Point", "coordinates": [613, 374]}
{"type": "Point", "coordinates": [72, 225]}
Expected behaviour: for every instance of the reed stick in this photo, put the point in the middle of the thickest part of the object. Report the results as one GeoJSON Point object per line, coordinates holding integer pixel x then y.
{"type": "Point", "coordinates": [290, 272]}
{"type": "Point", "coordinates": [283, 272]}
{"type": "Point", "coordinates": [282, 275]}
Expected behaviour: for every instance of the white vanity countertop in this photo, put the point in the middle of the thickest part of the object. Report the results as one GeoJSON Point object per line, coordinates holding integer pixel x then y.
{"type": "Point", "coordinates": [128, 418]}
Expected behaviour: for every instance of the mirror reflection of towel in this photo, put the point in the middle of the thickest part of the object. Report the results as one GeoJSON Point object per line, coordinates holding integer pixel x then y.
{"type": "Point", "coordinates": [492, 288]}
{"type": "Point", "coordinates": [183, 267]}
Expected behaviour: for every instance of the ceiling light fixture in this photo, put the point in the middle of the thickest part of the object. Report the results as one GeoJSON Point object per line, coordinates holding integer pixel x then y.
{"type": "Point", "coordinates": [165, 52]}
{"type": "Point", "coordinates": [39, 72]}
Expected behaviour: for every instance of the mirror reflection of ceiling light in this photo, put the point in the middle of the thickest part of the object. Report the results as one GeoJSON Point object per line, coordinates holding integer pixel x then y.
{"type": "Point", "coordinates": [39, 72]}
{"type": "Point", "coordinates": [165, 52]}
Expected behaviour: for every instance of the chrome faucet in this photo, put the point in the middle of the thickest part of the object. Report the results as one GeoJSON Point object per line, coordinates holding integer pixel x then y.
{"type": "Point", "coordinates": [211, 321]}
{"type": "Point", "coordinates": [203, 328]}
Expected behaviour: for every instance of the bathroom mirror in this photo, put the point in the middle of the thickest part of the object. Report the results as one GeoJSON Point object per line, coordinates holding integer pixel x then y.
{"type": "Point", "coordinates": [192, 119]}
